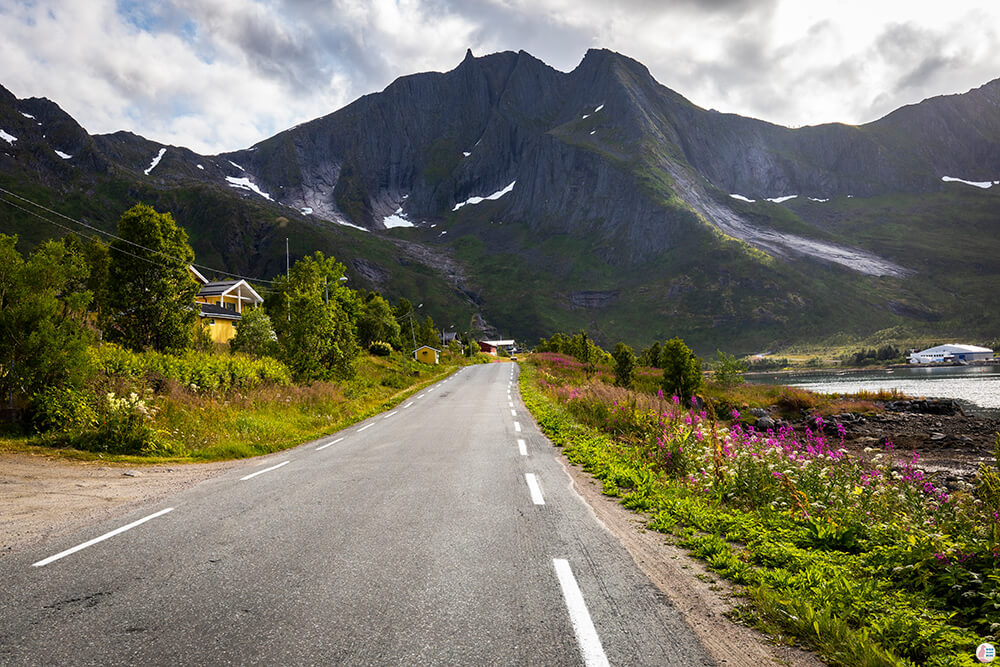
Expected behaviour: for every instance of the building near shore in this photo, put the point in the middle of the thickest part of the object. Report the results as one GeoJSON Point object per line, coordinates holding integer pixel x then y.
{"type": "Point", "coordinates": [951, 353]}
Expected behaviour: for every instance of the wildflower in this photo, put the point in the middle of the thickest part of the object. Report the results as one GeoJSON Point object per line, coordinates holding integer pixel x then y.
{"type": "Point", "coordinates": [736, 414]}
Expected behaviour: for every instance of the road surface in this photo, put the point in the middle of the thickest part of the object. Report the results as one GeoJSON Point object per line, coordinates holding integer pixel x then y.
{"type": "Point", "coordinates": [444, 531]}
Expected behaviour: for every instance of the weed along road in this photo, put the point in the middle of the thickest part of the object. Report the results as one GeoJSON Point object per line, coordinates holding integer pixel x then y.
{"type": "Point", "coordinates": [444, 531]}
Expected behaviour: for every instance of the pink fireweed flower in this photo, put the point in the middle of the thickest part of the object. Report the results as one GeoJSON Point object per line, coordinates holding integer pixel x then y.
{"type": "Point", "coordinates": [736, 413]}
{"type": "Point", "coordinates": [676, 400]}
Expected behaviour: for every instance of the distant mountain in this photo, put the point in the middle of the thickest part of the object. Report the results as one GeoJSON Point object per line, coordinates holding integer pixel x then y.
{"type": "Point", "coordinates": [596, 199]}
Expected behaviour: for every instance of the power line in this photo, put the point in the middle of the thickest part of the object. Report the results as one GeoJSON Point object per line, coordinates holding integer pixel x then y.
{"type": "Point", "coordinates": [123, 240]}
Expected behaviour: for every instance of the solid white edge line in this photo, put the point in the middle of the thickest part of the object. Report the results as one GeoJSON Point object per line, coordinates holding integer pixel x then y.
{"type": "Point", "coordinates": [89, 543]}
{"type": "Point", "coordinates": [517, 426]}
{"type": "Point", "coordinates": [261, 472]}
{"type": "Point", "coordinates": [364, 427]}
{"type": "Point", "coordinates": [328, 444]}
{"type": "Point", "coordinates": [536, 491]}
{"type": "Point", "coordinates": [586, 635]}
{"type": "Point", "coordinates": [522, 447]}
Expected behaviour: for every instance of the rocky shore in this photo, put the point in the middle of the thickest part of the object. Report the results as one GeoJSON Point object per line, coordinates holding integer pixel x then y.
{"type": "Point", "coordinates": [951, 444]}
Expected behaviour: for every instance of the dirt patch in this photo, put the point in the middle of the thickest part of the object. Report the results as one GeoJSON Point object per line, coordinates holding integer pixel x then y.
{"type": "Point", "coordinates": [701, 597]}
{"type": "Point", "coordinates": [43, 497]}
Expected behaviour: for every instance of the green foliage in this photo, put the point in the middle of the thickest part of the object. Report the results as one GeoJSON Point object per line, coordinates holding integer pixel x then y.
{"type": "Point", "coordinates": [196, 371]}
{"type": "Point", "coordinates": [867, 357]}
{"type": "Point", "coordinates": [150, 293]}
{"type": "Point", "coordinates": [728, 369]}
{"type": "Point", "coordinates": [681, 369]}
{"type": "Point", "coordinates": [380, 348]}
{"type": "Point", "coordinates": [861, 557]}
{"type": "Point", "coordinates": [377, 322]}
{"type": "Point", "coordinates": [63, 410]}
{"type": "Point", "coordinates": [317, 338]}
{"type": "Point", "coordinates": [43, 303]}
{"type": "Point", "coordinates": [650, 357]}
{"type": "Point", "coordinates": [624, 365]}
{"type": "Point", "coordinates": [255, 334]}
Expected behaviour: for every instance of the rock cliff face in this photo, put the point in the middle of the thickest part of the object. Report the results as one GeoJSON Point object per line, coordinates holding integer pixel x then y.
{"type": "Point", "coordinates": [608, 152]}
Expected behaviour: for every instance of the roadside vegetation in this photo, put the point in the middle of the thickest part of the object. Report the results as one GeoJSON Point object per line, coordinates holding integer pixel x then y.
{"type": "Point", "coordinates": [102, 355]}
{"type": "Point", "coordinates": [857, 555]}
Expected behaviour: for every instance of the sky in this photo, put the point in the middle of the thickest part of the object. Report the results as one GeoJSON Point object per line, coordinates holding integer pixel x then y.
{"type": "Point", "coordinates": [218, 75]}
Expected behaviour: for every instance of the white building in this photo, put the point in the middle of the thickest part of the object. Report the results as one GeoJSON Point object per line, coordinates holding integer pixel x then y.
{"type": "Point", "coordinates": [951, 353]}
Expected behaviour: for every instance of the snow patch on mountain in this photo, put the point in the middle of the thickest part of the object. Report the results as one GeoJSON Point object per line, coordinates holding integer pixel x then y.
{"type": "Point", "coordinates": [494, 196]}
{"type": "Point", "coordinates": [598, 108]}
{"type": "Point", "coordinates": [778, 200]}
{"type": "Point", "coordinates": [27, 115]}
{"type": "Point", "coordinates": [821, 201]}
{"type": "Point", "coordinates": [237, 166]}
{"type": "Point", "coordinates": [743, 198]}
{"type": "Point", "coordinates": [397, 219]}
{"type": "Point", "coordinates": [985, 185]}
{"type": "Point", "coordinates": [245, 184]}
{"type": "Point", "coordinates": [201, 167]}
{"type": "Point", "coordinates": [64, 156]}
{"type": "Point", "coordinates": [156, 161]}
{"type": "Point", "coordinates": [9, 138]}
{"type": "Point", "coordinates": [305, 210]}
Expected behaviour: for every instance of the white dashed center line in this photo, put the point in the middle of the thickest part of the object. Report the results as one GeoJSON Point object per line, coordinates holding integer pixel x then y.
{"type": "Point", "coordinates": [328, 444]}
{"type": "Point", "coordinates": [389, 414]}
{"type": "Point", "coordinates": [513, 413]}
{"type": "Point", "coordinates": [522, 447]}
{"type": "Point", "coordinates": [366, 426]}
{"type": "Point", "coordinates": [517, 426]}
{"type": "Point", "coordinates": [408, 405]}
{"type": "Point", "coordinates": [586, 635]}
{"type": "Point", "coordinates": [90, 543]}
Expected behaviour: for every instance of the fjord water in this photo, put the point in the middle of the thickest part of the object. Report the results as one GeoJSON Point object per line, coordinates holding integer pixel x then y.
{"type": "Point", "coordinates": [977, 387]}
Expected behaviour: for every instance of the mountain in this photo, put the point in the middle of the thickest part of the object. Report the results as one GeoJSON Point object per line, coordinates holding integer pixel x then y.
{"type": "Point", "coordinates": [598, 199]}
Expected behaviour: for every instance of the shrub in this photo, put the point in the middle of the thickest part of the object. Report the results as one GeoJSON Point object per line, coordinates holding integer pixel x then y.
{"type": "Point", "coordinates": [681, 369]}
{"type": "Point", "coordinates": [62, 410]}
{"type": "Point", "coordinates": [380, 348]}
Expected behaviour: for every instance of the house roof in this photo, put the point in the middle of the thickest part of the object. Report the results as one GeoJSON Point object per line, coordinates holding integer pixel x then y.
{"type": "Point", "coordinates": [426, 347]}
{"type": "Point", "coordinates": [197, 274]}
{"type": "Point", "coordinates": [212, 310]}
{"type": "Point", "coordinates": [954, 348]}
{"type": "Point", "coordinates": [498, 343]}
{"type": "Point", "coordinates": [224, 287]}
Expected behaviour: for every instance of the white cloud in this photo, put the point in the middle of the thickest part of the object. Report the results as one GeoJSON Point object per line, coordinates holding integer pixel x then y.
{"type": "Point", "coordinates": [217, 75]}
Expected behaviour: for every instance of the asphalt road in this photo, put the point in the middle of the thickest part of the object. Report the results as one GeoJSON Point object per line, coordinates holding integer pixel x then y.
{"type": "Point", "coordinates": [444, 531]}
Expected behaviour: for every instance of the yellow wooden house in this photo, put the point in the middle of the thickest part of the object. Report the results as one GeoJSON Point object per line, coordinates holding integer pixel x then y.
{"type": "Point", "coordinates": [221, 304]}
{"type": "Point", "coordinates": [427, 354]}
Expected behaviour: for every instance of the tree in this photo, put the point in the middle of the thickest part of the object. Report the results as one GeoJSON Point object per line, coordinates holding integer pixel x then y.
{"type": "Point", "coordinates": [43, 337]}
{"type": "Point", "coordinates": [377, 322]}
{"type": "Point", "coordinates": [311, 310]}
{"type": "Point", "coordinates": [624, 365]}
{"type": "Point", "coordinates": [427, 334]}
{"type": "Point", "coordinates": [651, 356]}
{"type": "Point", "coordinates": [150, 290]}
{"type": "Point", "coordinates": [681, 369]}
{"type": "Point", "coordinates": [255, 334]}
{"type": "Point", "coordinates": [728, 369]}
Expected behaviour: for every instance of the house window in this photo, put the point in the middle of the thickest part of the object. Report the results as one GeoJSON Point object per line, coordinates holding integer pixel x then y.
{"type": "Point", "coordinates": [211, 321]}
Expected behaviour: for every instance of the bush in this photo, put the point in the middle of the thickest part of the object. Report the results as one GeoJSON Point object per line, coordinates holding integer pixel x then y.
{"type": "Point", "coordinates": [380, 348]}
{"type": "Point", "coordinates": [62, 410]}
{"type": "Point", "coordinates": [681, 369]}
